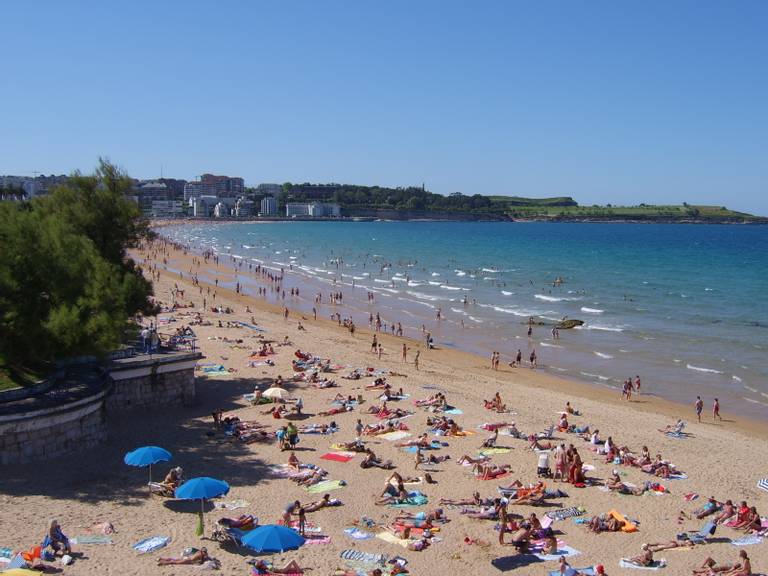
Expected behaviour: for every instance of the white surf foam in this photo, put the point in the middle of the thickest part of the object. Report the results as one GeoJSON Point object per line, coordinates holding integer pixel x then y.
{"type": "Point", "coordinates": [591, 310]}
{"type": "Point", "coordinates": [507, 293]}
{"type": "Point", "coordinates": [700, 369]}
{"type": "Point", "coordinates": [602, 354]}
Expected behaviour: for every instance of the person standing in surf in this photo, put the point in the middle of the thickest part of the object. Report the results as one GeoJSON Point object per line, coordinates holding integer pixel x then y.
{"type": "Point", "coordinates": [716, 410]}
{"type": "Point", "coordinates": [699, 407]}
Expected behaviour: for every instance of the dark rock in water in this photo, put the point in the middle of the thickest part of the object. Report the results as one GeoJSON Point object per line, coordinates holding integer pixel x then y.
{"type": "Point", "coordinates": [570, 323]}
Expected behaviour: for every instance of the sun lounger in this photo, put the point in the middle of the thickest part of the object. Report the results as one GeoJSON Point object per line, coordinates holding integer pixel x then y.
{"type": "Point", "coordinates": [702, 535]}
{"type": "Point", "coordinates": [547, 434]}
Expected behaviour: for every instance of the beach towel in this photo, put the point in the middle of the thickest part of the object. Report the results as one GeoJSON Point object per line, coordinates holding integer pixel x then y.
{"type": "Point", "coordinates": [366, 557]}
{"type": "Point", "coordinates": [308, 526]}
{"type": "Point", "coordinates": [747, 540]}
{"type": "Point", "coordinates": [151, 544]}
{"type": "Point", "coordinates": [562, 552]}
{"type": "Point", "coordinates": [571, 571]}
{"type": "Point", "coordinates": [655, 565]}
{"type": "Point", "coordinates": [629, 526]}
{"type": "Point", "coordinates": [510, 563]}
{"type": "Point", "coordinates": [338, 456]}
{"type": "Point", "coordinates": [317, 539]}
{"type": "Point", "coordinates": [678, 476]}
{"type": "Point", "coordinates": [495, 450]}
{"type": "Point", "coordinates": [415, 498]}
{"type": "Point", "coordinates": [564, 513]}
{"type": "Point", "coordinates": [394, 436]}
{"type": "Point", "coordinates": [690, 497]}
{"type": "Point", "coordinates": [392, 539]}
{"type": "Point", "coordinates": [325, 486]}
{"type": "Point", "coordinates": [6, 552]}
{"type": "Point", "coordinates": [231, 505]}
{"type": "Point", "coordinates": [454, 411]}
{"type": "Point", "coordinates": [88, 539]}
{"type": "Point", "coordinates": [251, 326]}
{"type": "Point", "coordinates": [358, 534]}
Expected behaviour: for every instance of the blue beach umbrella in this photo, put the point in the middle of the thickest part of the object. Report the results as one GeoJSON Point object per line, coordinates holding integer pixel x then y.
{"type": "Point", "coordinates": [202, 489]}
{"type": "Point", "coordinates": [146, 456]}
{"type": "Point", "coordinates": [272, 538]}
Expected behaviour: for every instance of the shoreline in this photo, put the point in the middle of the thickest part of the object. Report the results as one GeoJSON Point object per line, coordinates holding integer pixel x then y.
{"type": "Point", "coordinates": [531, 379]}
{"type": "Point", "coordinates": [574, 363]}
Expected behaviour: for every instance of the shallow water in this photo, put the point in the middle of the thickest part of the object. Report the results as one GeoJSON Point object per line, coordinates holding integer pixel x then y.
{"type": "Point", "coordinates": [683, 306]}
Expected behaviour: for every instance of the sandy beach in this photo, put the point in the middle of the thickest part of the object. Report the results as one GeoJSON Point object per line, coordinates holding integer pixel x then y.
{"type": "Point", "coordinates": [724, 459]}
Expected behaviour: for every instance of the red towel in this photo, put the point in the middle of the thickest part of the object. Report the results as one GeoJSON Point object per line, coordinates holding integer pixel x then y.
{"type": "Point", "coordinates": [336, 457]}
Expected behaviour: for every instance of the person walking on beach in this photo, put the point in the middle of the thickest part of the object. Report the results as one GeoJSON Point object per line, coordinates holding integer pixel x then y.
{"type": "Point", "coordinates": [699, 407]}
{"type": "Point", "coordinates": [374, 344]}
{"type": "Point", "coordinates": [716, 410]}
{"type": "Point", "coordinates": [533, 358]}
{"type": "Point", "coordinates": [637, 384]}
{"type": "Point", "coordinates": [416, 359]}
{"type": "Point", "coordinates": [519, 357]}
{"type": "Point", "coordinates": [405, 352]}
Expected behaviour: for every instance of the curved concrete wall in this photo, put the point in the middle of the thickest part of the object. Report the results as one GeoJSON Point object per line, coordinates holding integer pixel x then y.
{"type": "Point", "coordinates": [50, 432]}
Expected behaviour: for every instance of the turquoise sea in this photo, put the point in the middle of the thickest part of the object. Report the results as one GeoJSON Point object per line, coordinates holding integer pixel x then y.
{"type": "Point", "coordinates": [683, 306]}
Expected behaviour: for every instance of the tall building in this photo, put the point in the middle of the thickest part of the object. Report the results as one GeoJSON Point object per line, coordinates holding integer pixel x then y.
{"type": "Point", "coordinates": [197, 189]}
{"type": "Point", "coordinates": [268, 206]}
{"type": "Point", "coordinates": [224, 186]}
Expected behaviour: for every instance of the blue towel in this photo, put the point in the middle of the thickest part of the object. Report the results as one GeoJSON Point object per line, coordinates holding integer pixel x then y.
{"type": "Point", "coordinates": [151, 544]}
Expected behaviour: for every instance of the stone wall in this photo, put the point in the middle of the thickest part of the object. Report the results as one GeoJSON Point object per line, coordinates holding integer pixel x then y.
{"type": "Point", "coordinates": [51, 432]}
{"type": "Point", "coordinates": [39, 428]}
{"type": "Point", "coordinates": [153, 382]}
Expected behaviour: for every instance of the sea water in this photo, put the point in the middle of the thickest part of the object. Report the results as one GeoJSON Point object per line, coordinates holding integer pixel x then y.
{"type": "Point", "coordinates": [683, 306]}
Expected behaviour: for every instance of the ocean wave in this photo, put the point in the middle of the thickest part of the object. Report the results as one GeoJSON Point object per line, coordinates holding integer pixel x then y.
{"type": "Point", "coordinates": [427, 304]}
{"type": "Point", "coordinates": [736, 378]}
{"type": "Point", "coordinates": [507, 293]}
{"type": "Point", "coordinates": [390, 290]}
{"type": "Point", "coordinates": [444, 287]}
{"type": "Point", "coordinates": [602, 355]}
{"type": "Point", "coordinates": [475, 319]}
{"type": "Point", "coordinates": [753, 401]}
{"type": "Point", "coordinates": [548, 345]}
{"type": "Point", "coordinates": [553, 298]}
{"type": "Point", "coordinates": [380, 281]}
{"type": "Point", "coordinates": [412, 283]}
{"type": "Point", "coordinates": [423, 296]}
{"type": "Point", "coordinates": [489, 277]}
{"type": "Point", "coordinates": [435, 274]}
{"type": "Point", "coordinates": [700, 369]}
{"type": "Point", "coordinates": [434, 283]}
{"type": "Point", "coordinates": [488, 270]}
{"type": "Point", "coordinates": [605, 328]}
{"type": "Point", "coordinates": [598, 376]}
{"type": "Point", "coordinates": [460, 273]}
{"type": "Point", "coordinates": [591, 310]}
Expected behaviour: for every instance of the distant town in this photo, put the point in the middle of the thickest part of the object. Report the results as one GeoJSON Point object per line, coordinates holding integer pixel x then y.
{"type": "Point", "coordinates": [227, 197]}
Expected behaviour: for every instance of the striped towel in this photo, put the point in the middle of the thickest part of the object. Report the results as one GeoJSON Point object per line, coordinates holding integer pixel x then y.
{"type": "Point", "coordinates": [565, 513]}
{"type": "Point", "coordinates": [367, 557]}
{"type": "Point", "coordinates": [87, 539]}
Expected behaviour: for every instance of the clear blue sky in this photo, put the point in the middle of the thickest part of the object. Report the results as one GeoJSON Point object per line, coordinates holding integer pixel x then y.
{"type": "Point", "coordinates": [615, 101]}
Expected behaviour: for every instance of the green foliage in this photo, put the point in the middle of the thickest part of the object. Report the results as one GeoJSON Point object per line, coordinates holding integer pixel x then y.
{"type": "Point", "coordinates": [66, 288]}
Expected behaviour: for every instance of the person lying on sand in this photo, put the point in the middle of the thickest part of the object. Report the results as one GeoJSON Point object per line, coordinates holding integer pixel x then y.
{"type": "Point", "coordinates": [325, 502]}
{"type": "Point", "coordinates": [485, 513]}
{"type": "Point", "coordinates": [430, 459]}
{"type": "Point", "coordinates": [261, 567]}
{"type": "Point", "coordinates": [465, 459]}
{"type": "Point", "coordinates": [371, 461]}
{"type": "Point", "coordinates": [475, 500]}
{"type": "Point", "coordinates": [197, 557]}
{"type": "Point", "coordinates": [671, 545]}
{"type": "Point", "coordinates": [604, 523]}
{"type": "Point", "coordinates": [422, 441]}
{"type": "Point", "coordinates": [536, 444]}
{"type": "Point", "coordinates": [487, 471]}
